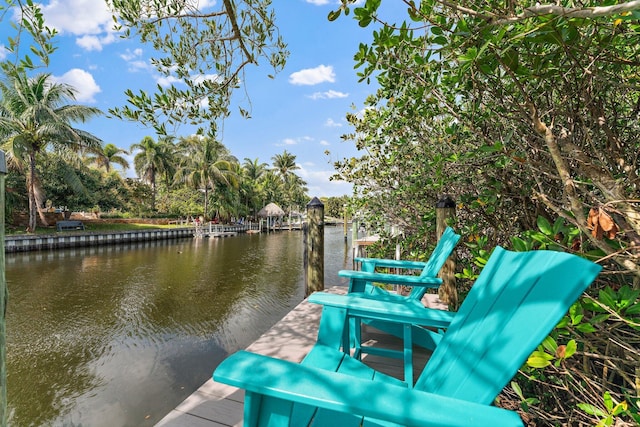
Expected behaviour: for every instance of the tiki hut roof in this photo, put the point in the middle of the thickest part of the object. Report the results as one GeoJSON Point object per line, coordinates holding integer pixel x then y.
{"type": "Point", "coordinates": [271, 210]}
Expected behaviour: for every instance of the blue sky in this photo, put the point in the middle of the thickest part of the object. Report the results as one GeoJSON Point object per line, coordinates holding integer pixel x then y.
{"type": "Point", "coordinates": [302, 110]}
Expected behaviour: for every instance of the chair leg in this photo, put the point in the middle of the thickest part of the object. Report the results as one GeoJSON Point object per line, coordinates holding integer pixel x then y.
{"type": "Point", "coordinates": [356, 332]}
{"type": "Point", "coordinates": [408, 354]}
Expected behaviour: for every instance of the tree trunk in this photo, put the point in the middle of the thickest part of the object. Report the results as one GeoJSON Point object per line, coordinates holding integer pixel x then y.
{"type": "Point", "coordinates": [604, 183]}
{"type": "Point", "coordinates": [31, 189]}
{"type": "Point", "coordinates": [206, 203]}
{"type": "Point", "coordinates": [153, 193]}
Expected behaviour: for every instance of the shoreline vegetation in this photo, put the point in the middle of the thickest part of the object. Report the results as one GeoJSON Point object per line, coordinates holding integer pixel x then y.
{"type": "Point", "coordinates": [109, 225]}
{"type": "Point", "coordinates": [90, 227]}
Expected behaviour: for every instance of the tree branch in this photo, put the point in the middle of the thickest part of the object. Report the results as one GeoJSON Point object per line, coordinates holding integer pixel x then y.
{"type": "Point", "coordinates": [567, 12]}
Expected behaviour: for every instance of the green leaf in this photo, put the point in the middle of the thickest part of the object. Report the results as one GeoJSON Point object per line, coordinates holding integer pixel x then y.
{"type": "Point", "coordinates": [558, 225]}
{"type": "Point", "coordinates": [539, 359]}
{"type": "Point", "coordinates": [511, 59]}
{"type": "Point", "coordinates": [335, 14]}
{"type": "Point", "coordinates": [492, 148]}
{"type": "Point", "coordinates": [608, 401]}
{"type": "Point", "coordinates": [440, 40]}
{"type": "Point", "coordinates": [563, 323]}
{"type": "Point", "coordinates": [570, 349]}
{"type": "Point", "coordinates": [532, 401]}
{"type": "Point", "coordinates": [545, 226]}
{"type": "Point", "coordinates": [592, 306]}
{"type": "Point", "coordinates": [620, 408]}
{"type": "Point", "coordinates": [591, 410]}
{"type": "Point", "coordinates": [550, 345]}
{"type": "Point", "coordinates": [634, 309]}
{"type": "Point", "coordinates": [607, 297]}
{"type": "Point", "coordinates": [517, 389]}
{"type": "Point", "coordinates": [518, 244]}
{"type": "Point", "coordinates": [586, 328]}
{"type": "Point", "coordinates": [469, 56]}
{"type": "Point", "coordinates": [600, 318]}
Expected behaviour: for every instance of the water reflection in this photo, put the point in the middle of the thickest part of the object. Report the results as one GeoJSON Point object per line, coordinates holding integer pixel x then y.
{"type": "Point", "coordinates": [118, 335]}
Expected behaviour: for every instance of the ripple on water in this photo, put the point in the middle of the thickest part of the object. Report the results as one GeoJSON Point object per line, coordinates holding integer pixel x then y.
{"type": "Point", "coordinates": [133, 330]}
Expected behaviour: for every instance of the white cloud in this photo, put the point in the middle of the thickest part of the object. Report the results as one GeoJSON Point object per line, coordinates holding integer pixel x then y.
{"type": "Point", "coordinates": [294, 141]}
{"type": "Point", "coordinates": [313, 76]}
{"type": "Point", "coordinates": [82, 82]}
{"type": "Point", "coordinates": [135, 61]}
{"type": "Point", "coordinates": [135, 66]}
{"type": "Point", "coordinates": [3, 52]}
{"type": "Point", "coordinates": [205, 3]}
{"type": "Point", "coordinates": [318, 2]}
{"type": "Point", "coordinates": [130, 55]}
{"type": "Point", "coordinates": [89, 43]}
{"type": "Point", "coordinates": [78, 17]}
{"type": "Point", "coordinates": [332, 124]}
{"type": "Point", "coordinates": [90, 20]}
{"type": "Point", "coordinates": [319, 184]}
{"type": "Point", "coordinates": [330, 94]}
{"type": "Point", "coordinates": [325, 143]}
{"type": "Point", "coordinates": [166, 81]}
{"type": "Point", "coordinates": [200, 78]}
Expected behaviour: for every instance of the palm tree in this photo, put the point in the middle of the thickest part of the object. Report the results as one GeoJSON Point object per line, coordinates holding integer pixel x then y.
{"type": "Point", "coordinates": [205, 162]}
{"type": "Point", "coordinates": [296, 189]}
{"type": "Point", "coordinates": [284, 164]}
{"type": "Point", "coordinates": [35, 117]}
{"type": "Point", "coordinates": [271, 187]}
{"type": "Point", "coordinates": [253, 169]}
{"type": "Point", "coordinates": [108, 155]}
{"type": "Point", "coordinates": [154, 158]}
{"type": "Point", "coordinates": [252, 172]}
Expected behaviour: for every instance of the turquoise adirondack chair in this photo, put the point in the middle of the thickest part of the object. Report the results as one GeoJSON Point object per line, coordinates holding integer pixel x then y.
{"type": "Point", "coordinates": [362, 281]}
{"type": "Point", "coordinates": [514, 304]}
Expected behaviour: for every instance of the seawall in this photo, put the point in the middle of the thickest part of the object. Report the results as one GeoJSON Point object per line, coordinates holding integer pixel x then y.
{"type": "Point", "coordinates": [80, 239]}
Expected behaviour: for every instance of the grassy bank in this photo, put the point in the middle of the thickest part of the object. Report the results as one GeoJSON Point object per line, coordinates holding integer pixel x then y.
{"type": "Point", "coordinates": [91, 226]}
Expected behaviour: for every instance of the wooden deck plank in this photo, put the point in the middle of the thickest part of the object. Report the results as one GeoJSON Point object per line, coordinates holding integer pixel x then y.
{"type": "Point", "coordinates": [215, 404]}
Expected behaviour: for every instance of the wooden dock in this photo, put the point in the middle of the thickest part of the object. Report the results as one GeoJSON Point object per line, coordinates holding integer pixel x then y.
{"type": "Point", "coordinates": [217, 405]}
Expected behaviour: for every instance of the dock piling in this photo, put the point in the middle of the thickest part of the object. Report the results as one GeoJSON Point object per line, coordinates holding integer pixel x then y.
{"type": "Point", "coordinates": [315, 247]}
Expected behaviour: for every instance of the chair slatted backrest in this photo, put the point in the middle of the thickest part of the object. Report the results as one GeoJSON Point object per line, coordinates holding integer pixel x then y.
{"type": "Point", "coordinates": [441, 252]}
{"type": "Point", "coordinates": [516, 301]}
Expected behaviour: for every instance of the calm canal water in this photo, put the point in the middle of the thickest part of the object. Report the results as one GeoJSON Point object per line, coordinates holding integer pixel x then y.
{"type": "Point", "coordinates": [119, 335]}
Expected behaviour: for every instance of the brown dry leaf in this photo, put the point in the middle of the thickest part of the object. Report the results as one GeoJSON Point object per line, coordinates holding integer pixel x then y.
{"type": "Point", "coordinates": [575, 246]}
{"type": "Point", "coordinates": [597, 231]}
{"type": "Point", "coordinates": [605, 221]}
{"type": "Point", "coordinates": [612, 233]}
{"type": "Point", "coordinates": [592, 218]}
{"type": "Point", "coordinates": [561, 351]}
{"type": "Point", "coordinates": [601, 224]}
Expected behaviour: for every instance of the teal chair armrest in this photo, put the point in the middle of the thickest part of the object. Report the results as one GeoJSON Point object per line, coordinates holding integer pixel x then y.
{"type": "Point", "coordinates": [358, 278]}
{"type": "Point", "coordinates": [297, 383]}
{"type": "Point", "coordinates": [385, 309]}
{"type": "Point", "coordinates": [392, 263]}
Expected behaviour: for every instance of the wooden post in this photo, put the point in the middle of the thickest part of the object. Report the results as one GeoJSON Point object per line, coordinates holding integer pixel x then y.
{"type": "Point", "coordinates": [354, 238]}
{"type": "Point", "coordinates": [3, 301]}
{"type": "Point", "coordinates": [445, 214]}
{"type": "Point", "coordinates": [305, 255]}
{"type": "Point", "coordinates": [315, 247]}
{"type": "Point", "coordinates": [344, 223]}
